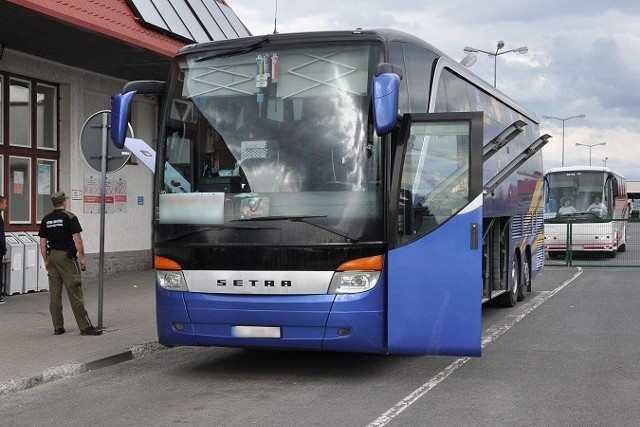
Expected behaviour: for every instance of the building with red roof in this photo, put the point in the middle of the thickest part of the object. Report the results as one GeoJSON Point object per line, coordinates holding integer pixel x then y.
{"type": "Point", "coordinates": [103, 36]}
{"type": "Point", "coordinates": [60, 63]}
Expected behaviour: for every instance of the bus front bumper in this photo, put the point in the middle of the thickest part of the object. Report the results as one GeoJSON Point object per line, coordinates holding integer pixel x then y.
{"type": "Point", "coordinates": [354, 322]}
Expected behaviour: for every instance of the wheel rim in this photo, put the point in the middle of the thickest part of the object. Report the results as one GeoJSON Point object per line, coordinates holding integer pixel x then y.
{"type": "Point", "coordinates": [515, 277]}
{"type": "Point", "coordinates": [525, 281]}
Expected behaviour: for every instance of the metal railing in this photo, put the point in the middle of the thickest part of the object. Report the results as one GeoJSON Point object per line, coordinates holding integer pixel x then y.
{"type": "Point", "coordinates": [596, 244]}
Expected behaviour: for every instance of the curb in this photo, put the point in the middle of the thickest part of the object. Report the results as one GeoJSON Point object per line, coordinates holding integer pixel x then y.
{"type": "Point", "coordinates": [72, 369]}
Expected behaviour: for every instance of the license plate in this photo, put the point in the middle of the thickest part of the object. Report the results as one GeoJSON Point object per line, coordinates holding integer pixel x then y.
{"type": "Point", "coordinates": [256, 332]}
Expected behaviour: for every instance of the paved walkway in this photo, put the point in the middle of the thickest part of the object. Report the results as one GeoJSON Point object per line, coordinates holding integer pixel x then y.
{"type": "Point", "coordinates": [31, 354]}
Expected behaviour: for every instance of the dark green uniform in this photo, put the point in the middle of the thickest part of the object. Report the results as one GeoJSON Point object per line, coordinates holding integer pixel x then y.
{"type": "Point", "coordinates": [58, 227]}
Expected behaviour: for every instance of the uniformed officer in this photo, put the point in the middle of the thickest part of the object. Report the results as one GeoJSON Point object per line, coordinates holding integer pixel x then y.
{"type": "Point", "coordinates": [63, 253]}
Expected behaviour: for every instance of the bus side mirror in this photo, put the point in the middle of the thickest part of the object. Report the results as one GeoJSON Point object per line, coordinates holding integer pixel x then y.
{"type": "Point", "coordinates": [120, 108]}
{"type": "Point", "coordinates": [386, 90]}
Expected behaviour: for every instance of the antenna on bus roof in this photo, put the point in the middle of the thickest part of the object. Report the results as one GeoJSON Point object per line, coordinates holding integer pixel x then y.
{"type": "Point", "coordinates": [275, 20]}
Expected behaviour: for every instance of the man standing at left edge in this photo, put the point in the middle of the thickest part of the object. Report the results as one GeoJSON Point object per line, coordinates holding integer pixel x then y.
{"type": "Point", "coordinates": [62, 249]}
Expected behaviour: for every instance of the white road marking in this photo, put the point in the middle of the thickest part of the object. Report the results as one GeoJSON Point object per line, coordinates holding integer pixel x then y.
{"type": "Point", "coordinates": [490, 335]}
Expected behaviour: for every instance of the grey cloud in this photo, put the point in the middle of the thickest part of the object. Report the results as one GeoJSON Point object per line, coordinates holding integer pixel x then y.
{"type": "Point", "coordinates": [601, 70]}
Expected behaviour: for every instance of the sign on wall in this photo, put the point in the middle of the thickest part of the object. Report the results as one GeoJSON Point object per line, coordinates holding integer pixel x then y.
{"type": "Point", "coordinates": [115, 194]}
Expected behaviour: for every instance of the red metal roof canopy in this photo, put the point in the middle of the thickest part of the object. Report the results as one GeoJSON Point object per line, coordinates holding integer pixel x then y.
{"type": "Point", "coordinates": [109, 17]}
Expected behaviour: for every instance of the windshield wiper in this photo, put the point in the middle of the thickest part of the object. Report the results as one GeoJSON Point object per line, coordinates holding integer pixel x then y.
{"type": "Point", "coordinates": [241, 51]}
{"type": "Point", "coordinates": [300, 218]}
{"type": "Point", "coordinates": [292, 218]}
{"type": "Point", "coordinates": [591, 213]}
{"type": "Point", "coordinates": [191, 232]}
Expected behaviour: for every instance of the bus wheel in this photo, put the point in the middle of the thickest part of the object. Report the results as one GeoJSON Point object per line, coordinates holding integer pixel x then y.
{"type": "Point", "coordinates": [509, 299]}
{"type": "Point", "coordinates": [553, 255]}
{"type": "Point", "coordinates": [525, 282]}
{"type": "Point", "coordinates": [623, 246]}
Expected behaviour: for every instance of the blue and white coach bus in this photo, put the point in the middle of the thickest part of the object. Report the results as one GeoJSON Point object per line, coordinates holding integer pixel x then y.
{"type": "Point", "coordinates": [345, 191]}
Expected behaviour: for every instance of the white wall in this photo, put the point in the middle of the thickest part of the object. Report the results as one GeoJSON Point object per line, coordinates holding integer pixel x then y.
{"type": "Point", "coordinates": [81, 94]}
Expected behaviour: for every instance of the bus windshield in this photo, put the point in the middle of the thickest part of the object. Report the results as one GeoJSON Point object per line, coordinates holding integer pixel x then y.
{"type": "Point", "coordinates": [272, 145]}
{"type": "Point", "coordinates": [578, 194]}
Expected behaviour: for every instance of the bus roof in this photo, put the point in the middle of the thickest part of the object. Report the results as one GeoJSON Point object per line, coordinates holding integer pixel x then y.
{"type": "Point", "coordinates": [385, 35]}
{"type": "Point", "coordinates": [603, 169]}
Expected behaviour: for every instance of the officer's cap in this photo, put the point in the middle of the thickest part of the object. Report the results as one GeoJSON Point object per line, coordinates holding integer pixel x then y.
{"type": "Point", "coordinates": [59, 197]}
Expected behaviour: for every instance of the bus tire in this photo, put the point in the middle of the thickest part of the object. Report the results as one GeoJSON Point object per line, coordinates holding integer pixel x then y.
{"type": "Point", "coordinates": [510, 298]}
{"type": "Point", "coordinates": [555, 254]}
{"type": "Point", "coordinates": [623, 247]}
{"type": "Point", "coordinates": [525, 281]}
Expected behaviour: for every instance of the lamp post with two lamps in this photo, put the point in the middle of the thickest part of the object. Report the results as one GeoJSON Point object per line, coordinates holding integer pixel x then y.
{"type": "Point", "coordinates": [579, 116]}
{"type": "Point", "coordinates": [590, 147]}
{"type": "Point", "coordinates": [470, 59]}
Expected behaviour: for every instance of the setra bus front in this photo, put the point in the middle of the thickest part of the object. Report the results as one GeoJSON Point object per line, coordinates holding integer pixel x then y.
{"type": "Point", "coordinates": [273, 205]}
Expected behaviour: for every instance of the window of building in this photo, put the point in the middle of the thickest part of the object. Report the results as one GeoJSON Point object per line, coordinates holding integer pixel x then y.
{"type": "Point", "coordinates": [19, 190]}
{"type": "Point", "coordinates": [1, 110]}
{"type": "Point", "coordinates": [29, 149]}
{"type": "Point", "coordinates": [2, 176]}
{"type": "Point", "coordinates": [46, 179]}
{"type": "Point", "coordinates": [19, 113]}
{"type": "Point", "coordinates": [47, 117]}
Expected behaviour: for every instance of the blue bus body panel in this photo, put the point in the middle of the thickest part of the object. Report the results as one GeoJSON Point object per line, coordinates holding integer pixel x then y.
{"type": "Point", "coordinates": [365, 316]}
{"type": "Point", "coordinates": [170, 311]}
{"type": "Point", "coordinates": [311, 322]}
{"type": "Point", "coordinates": [435, 295]}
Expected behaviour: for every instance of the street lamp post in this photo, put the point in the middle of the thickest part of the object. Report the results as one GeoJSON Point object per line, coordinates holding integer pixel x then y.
{"type": "Point", "coordinates": [580, 116]}
{"type": "Point", "coordinates": [494, 55]}
{"type": "Point", "coordinates": [590, 147]}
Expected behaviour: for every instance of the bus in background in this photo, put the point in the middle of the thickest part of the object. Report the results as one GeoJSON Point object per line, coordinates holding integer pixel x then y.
{"type": "Point", "coordinates": [586, 210]}
{"type": "Point", "coordinates": [345, 191]}
{"type": "Point", "coordinates": [634, 206]}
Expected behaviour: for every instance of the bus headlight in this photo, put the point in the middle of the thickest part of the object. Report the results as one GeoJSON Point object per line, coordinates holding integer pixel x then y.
{"type": "Point", "coordinates": [171, 280]}
{"type": "Point", "coordinates": [352, 282]}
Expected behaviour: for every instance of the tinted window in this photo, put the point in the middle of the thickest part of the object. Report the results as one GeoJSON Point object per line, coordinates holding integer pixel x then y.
{"type": "Point", "coordinates": [418, 65]}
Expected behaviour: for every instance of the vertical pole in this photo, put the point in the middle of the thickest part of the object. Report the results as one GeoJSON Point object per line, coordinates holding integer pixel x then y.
{"type": "Point", "coordinates": [103, 191]}
{"type": "Point", "coordinates": [495, 69]}
{"type": "Point", "coordinates": [562, 142]}
{"type": "Point", "coordinates": [568, 254]}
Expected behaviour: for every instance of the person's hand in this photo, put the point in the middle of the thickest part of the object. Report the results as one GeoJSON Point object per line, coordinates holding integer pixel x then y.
{"type": "Point", "coordinates": [82, 263]}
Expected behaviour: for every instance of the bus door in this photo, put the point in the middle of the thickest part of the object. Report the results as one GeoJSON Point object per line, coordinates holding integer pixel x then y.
{"type": "Point", "coordinates": [434, 269]}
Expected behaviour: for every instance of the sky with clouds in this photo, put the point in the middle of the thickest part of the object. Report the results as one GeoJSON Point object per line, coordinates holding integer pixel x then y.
{"type": "Point", "coordinates": [583, 58]}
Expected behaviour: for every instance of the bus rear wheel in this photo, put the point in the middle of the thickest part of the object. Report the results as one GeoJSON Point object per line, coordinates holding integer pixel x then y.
{"type": "Point", "coordinates": [510, 298]}
{"type": "Point", "coordinates": [525, 282]}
